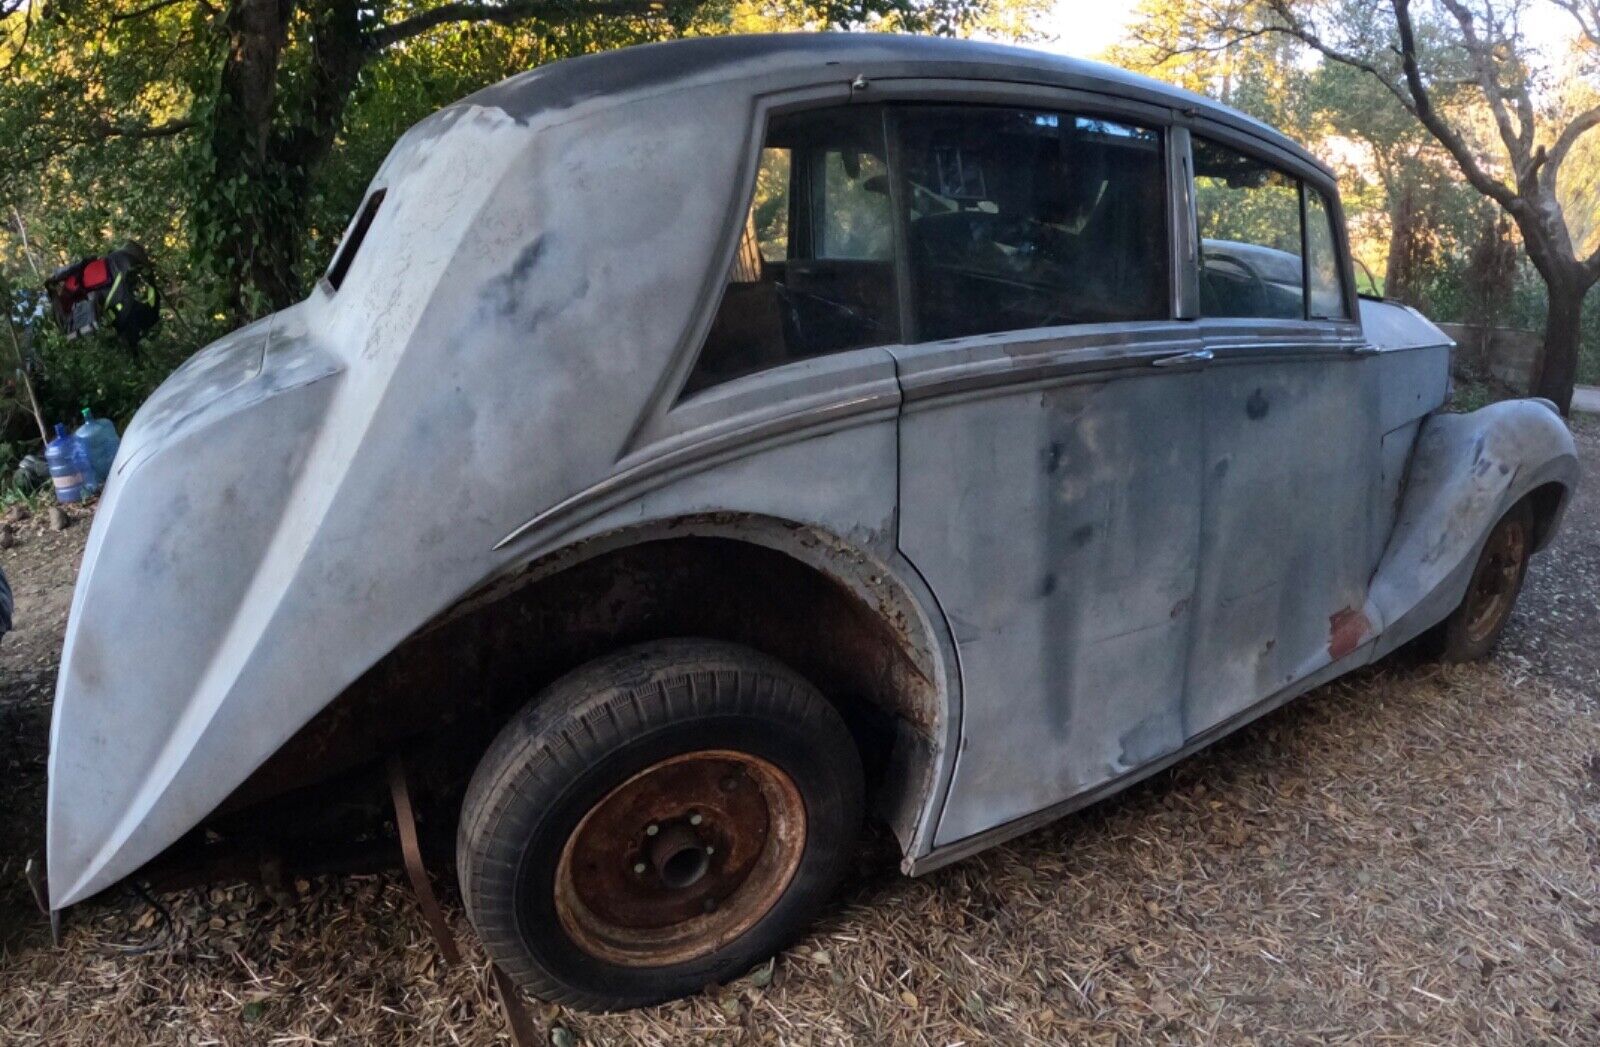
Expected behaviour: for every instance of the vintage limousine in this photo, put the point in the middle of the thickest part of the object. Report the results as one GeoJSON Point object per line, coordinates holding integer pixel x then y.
{"type": "Point", "coordinates": [697, 448]}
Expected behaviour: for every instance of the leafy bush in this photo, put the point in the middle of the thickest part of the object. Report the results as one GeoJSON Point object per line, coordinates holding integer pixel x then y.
{"type": "Point", "coordinates": [101, 373]}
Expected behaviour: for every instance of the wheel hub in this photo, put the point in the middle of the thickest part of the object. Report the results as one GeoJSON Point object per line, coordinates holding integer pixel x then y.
{"type": "Point", "coordinates": [680, 859]}
{"type": "Point", "coordinates": [1494, 583]}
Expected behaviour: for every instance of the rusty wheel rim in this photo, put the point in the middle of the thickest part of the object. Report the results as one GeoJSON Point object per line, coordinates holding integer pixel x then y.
{"type": "Point", "coordinates": [1494, 582]}
{"type": "Point", "coordinates": [680, 859]}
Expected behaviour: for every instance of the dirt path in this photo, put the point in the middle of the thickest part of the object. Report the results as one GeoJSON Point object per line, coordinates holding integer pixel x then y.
{"type": "Point", "coordinates": [41, 567]}
{"type": "Point", "coordinates": [1412, 853]}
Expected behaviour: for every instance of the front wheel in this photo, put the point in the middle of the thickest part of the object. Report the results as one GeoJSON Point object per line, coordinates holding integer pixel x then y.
{"type": "Point", "coordinates": [1475, 626]}
{"type": "Point", "coordinates": [657, 821]}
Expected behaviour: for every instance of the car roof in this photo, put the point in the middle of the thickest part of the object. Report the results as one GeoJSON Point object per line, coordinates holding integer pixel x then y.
{"type": "Point", "coordinates": [760, 62]}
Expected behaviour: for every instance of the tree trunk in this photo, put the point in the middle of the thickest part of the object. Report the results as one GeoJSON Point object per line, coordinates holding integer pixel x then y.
{"type": "Point", "coordinates": [1556, 367]}
{"type": "Point", "coordinates": [263, 158]}
{"type": "Point", "coordinates": [237, 213]}
{"type": "Point", "coordinates": [338, 52]}
{"type": "Point", "coordinates": [1406, 247]}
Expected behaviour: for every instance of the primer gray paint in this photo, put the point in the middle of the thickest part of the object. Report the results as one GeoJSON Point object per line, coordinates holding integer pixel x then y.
{"type": "Point", "coordinates": [1104, 563]}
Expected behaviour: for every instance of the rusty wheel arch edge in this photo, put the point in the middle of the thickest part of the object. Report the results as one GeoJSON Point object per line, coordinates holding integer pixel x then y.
{"type": "Point", "coordinates": [887, 584]}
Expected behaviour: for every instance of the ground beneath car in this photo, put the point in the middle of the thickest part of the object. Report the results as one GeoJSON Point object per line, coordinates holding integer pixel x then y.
{"type": "Point", "coordinates": [1413, 853]}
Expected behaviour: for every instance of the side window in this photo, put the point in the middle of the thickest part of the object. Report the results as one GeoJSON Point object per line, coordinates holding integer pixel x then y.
{"type": "Point", "coordinates": [1023, 218]}
{"type": "Point", "coordinates": [853, 217]}
{"type": "Point", "coordinates": [1249, 218]}
{"type": "Point", "coordinates": [814, 270]}
{"type": "Point", "coordinates": [1322, 257]}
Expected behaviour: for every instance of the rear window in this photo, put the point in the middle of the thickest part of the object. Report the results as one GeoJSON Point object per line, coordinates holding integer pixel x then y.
{"type": "Point", "coordinates": [814, 271]}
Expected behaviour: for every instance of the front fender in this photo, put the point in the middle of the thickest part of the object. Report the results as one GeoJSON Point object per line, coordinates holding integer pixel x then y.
{"type": "Point", "coordinates": [1465, 472]}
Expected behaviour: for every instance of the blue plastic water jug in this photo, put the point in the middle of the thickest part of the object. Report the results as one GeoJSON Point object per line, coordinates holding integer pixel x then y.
{"type": "Point", "coordinates": [99, 439]}
{"type": "Point", "coordinates": [68, 462]}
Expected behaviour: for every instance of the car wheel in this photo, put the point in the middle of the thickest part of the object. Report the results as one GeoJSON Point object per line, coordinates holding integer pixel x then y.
{"type": "Point", "coordinates": [657, 821]}
{"type": "Point", "coordinates": [1475, 626]}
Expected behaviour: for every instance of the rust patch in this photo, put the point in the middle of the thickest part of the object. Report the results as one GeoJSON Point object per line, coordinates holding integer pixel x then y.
{"type": "Point", "coordinates": [1346, 628]}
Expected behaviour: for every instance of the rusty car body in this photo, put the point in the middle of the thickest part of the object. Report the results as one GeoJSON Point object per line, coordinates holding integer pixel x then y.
{"type": "Point", "coordinates": [1040, 516]}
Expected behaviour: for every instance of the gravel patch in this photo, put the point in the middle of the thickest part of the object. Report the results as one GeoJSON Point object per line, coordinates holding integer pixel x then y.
{"type": "Point", "coordinates": [1556, 627]}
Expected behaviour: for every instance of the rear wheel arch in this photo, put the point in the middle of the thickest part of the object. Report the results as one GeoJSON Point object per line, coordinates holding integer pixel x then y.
{"type": "Point", "coordinates": [1549, 504]}
{"type": "Point", "coordinates": [853, 625]}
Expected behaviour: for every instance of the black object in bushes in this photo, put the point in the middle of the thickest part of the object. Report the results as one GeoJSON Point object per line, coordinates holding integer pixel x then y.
{"type": "Point", "coordinates": [117, 291]}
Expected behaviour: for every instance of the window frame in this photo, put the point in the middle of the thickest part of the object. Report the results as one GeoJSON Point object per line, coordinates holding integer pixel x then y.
{"type": "Point", "coordinates": [1159, 123]}
{"type": "Point", "coordinates": [897, 96]}
{"type": "Point", "coordinates": [1306, 178]}
{"type": "Point", "coordinates": [1341, 261]}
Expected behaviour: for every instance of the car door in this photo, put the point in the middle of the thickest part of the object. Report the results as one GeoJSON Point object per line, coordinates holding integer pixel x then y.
{"type": "Point", "coordinates": [1291, 441]}
{"type": "Point", "coordinates": [1050, 457]}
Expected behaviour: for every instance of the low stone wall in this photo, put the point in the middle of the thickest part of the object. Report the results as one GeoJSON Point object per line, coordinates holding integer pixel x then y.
{"type": "Point", "coordinates": [1504, 353]}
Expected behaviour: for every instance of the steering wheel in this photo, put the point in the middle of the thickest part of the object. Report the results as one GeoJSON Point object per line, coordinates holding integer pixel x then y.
{"type": "Point", "coordinates": [1258, 287]}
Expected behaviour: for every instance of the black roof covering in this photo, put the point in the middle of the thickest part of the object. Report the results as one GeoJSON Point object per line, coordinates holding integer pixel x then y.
{"type": "Point", "coordinates": [653, 68]}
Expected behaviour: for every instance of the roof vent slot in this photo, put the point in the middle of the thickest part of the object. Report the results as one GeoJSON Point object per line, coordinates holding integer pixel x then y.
{"type": "Point", "coordinates": [352, 244]}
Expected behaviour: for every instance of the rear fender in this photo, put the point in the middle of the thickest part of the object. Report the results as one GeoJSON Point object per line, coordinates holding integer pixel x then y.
{"type": "Point", "coordinates": [1465, 472]}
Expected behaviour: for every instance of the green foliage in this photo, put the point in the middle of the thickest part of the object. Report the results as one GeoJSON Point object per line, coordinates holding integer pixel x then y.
{"type": "Point", "coordinates": [139, 120]}
{"type": "Point", "coordinates": [101, 373]}
{"type": "Point", "coordinates": [1469, 395]}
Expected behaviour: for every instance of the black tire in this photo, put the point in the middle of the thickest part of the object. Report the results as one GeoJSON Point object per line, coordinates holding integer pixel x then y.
{"type": "Point", "coordinates": [556, 877]}
{"type": "Point", "coordinates": [1474, 627]}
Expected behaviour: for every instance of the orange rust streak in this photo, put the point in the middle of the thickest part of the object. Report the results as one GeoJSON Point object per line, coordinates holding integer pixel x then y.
{"type": "Point", "coordinates": [1346, 628]}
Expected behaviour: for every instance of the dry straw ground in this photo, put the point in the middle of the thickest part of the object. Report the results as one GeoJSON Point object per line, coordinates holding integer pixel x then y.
{"type": "Point", "coordinates": [1409, 855]}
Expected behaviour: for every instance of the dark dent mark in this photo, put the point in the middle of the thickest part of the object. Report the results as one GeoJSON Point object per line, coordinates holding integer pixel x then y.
{"type": "Point", "coordinates": [1256, 407]}
{"type": "Point", "coordinates": [526, 259]}
{"type": "Point", "coordinates": [1048, 586]}
{"type": "Point", "coordinates": [1179, 607]}
{"type": "Point", "coordinates": [1083, 535]}
{"type": "Point", "coordinates": [1345, 631]}
{"type": "Point", "coordinates": [1052, 456]}
{"type": "Point", "coordinates": [509, 297]}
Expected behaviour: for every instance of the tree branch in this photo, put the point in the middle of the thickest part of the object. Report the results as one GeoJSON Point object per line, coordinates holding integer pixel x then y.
{"type": "Point", "coordinates": [148, 9]}
{"type": "Point", "coordinates": [1237, 35]}
{"type": "Point", "coordinates": [1587, 14]}
{"type": "Point", "coordinates": [1436, 125]}
{"type": "Point", "coordinates": [106, 129]}
{"type": "Point", "coordinates": [1581, 124]}
{"type": "Point", "coordinates": [550, 12]}
{"type": "Point", "coordinates": [95, 128]}
{"type": "Point", "coordinates": [9, 8]}
{"type": "Point", "coordinates": [1518, 140]}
